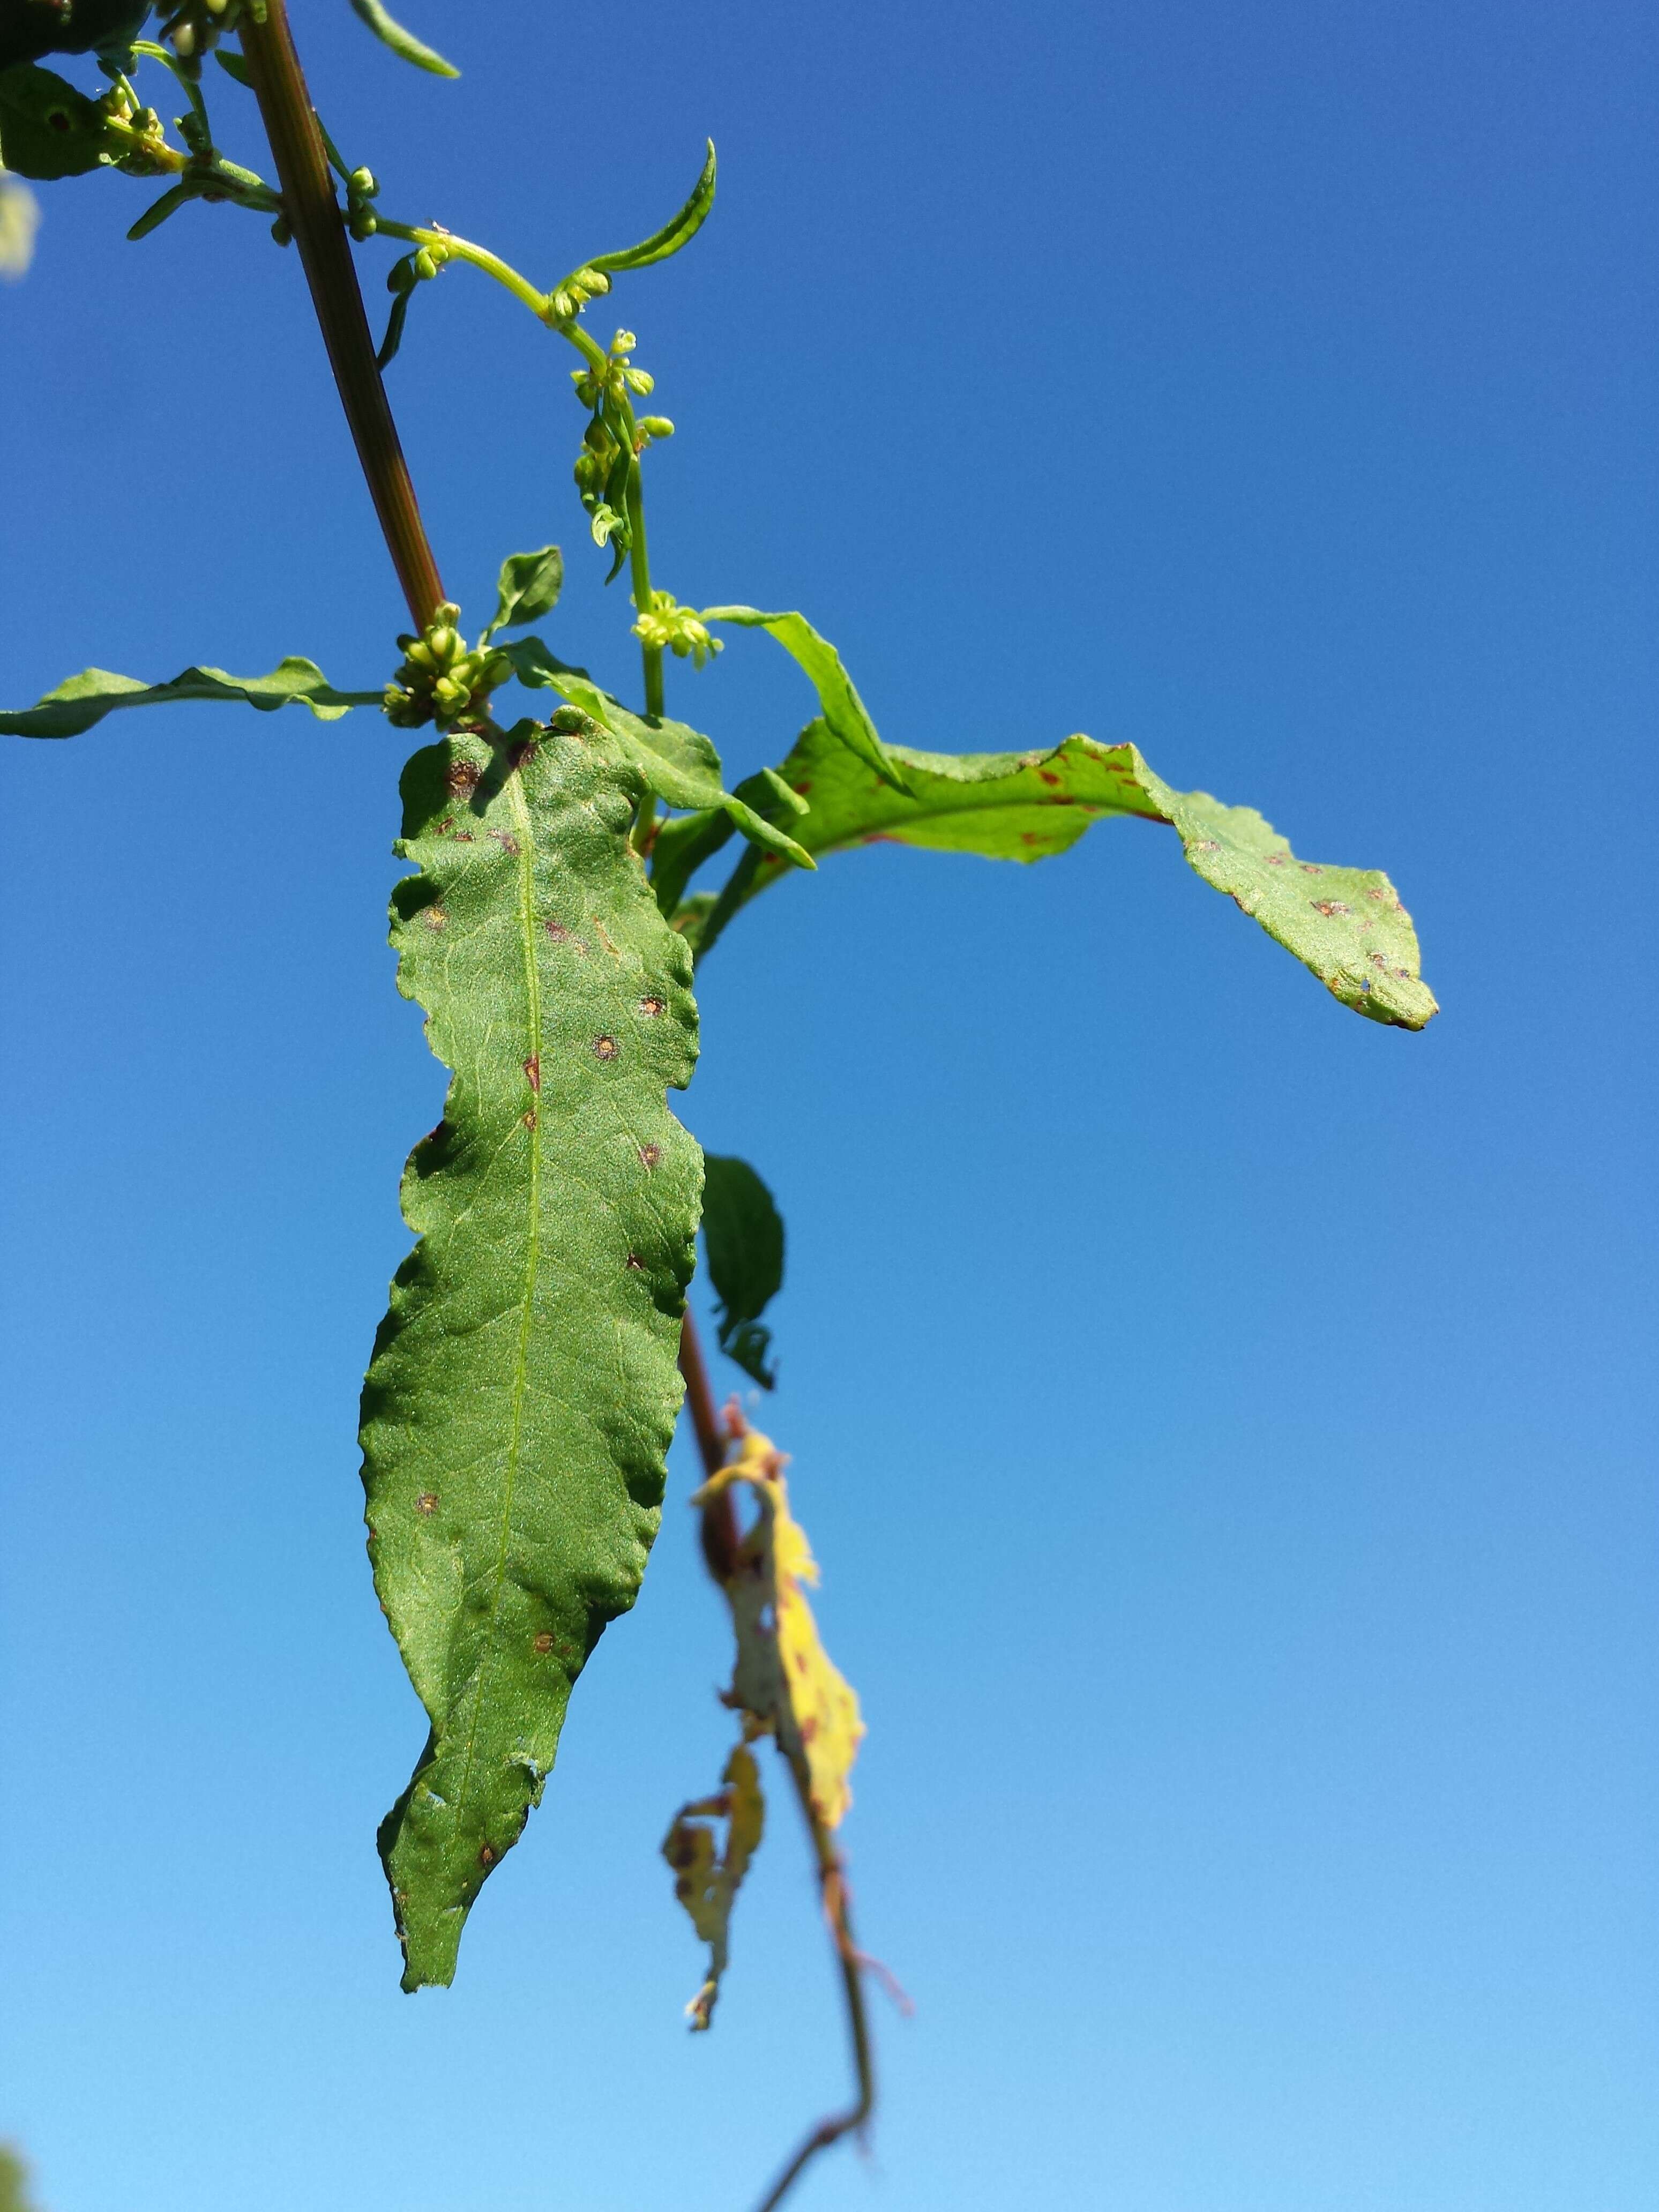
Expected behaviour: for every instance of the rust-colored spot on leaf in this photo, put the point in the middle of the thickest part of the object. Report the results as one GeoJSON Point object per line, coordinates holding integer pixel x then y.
{"type": "Point", "coordinates": [506, 841]}
{"type": "Point", "coordinates": [653, 1005]}
{"type": "Point", "coordinates": [605, 1048]}
{"type": "Point", "coordinates": [426, 1503]}
{"type": "Point", "coordinates": [1329, 907]}
{"type": "Point", "coordinates": [635, 1262]}
{"type": "Point", "coordinates": [434, 917]}
{"type": "Point", "coordinates": [462, 777]}
{"type": "Point", "coordinates": [487, 1855]}
{"type": "Point", "coordinates": [532, 1068]}
{"type": "Point", "coordinates": [529, 1119]}
{"type": "Point", "coordinates": [650, 1155]}
{"type": "Point", "coordinates": [544, 1641]}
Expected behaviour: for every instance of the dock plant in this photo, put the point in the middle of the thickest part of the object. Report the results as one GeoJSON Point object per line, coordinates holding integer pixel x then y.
{"type": "Point", "coordinates": [574, 859]}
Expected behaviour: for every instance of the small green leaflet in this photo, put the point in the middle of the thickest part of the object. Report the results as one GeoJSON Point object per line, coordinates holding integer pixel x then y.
{"type": "Point", "coordinates": [524, 1386]}
{"type": "Point", "coordinates": [678, 231]}
{"type": "Point", "coordinates": [743, 1232]}
{"type": "Point", "coordinates": [1345, 924]}
{"type": "Point", "coordinates": [48, 128]}
{"type": "Point", "coordinates": [678, 763]}
{"type": "Point", "coordinates": [75, 705]}
{"type": "Point", "coordinates": [528, 588]}
{"type": "Point", "coordinates": [844, 712]}
{"type": "Point", "coordinates": [402, 42]}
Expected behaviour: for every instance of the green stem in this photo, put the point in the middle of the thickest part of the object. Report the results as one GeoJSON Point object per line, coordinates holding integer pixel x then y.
{"type": "Point", "coordinates": [461, 249]}
{"type": "Point", "coordinates": [314, 217]}
{"type": "Point", "coordinates": [639, 570]}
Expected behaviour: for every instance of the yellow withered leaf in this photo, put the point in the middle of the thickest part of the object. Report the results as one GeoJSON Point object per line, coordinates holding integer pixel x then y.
{"type": "Point", "coordinates": [784, 1678]}
{"type": "Point", "coordinates": [706, 1879]}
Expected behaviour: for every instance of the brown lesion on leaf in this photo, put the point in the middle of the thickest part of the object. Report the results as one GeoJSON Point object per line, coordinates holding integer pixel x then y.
{"type": "Point", "coordinates": [605, 1048]}
{"type": "Point", "coordinates": [426, 1503]}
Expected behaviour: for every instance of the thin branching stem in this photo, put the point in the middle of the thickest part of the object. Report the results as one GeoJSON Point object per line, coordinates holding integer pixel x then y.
{"type": "Point", "coordinates": [719, 1544]}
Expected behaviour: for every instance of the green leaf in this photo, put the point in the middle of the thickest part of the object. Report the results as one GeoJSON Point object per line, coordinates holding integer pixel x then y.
{"type": "Point", "coordinates": [524, 1386]}
{"type": "Point", "coordinates": [402, 42]}
{"type": "Point", "coordinates": [48, 128]}
{"type": "Point", "coordinates": [679, 231]}
{"type": "Point", "coordinates": [678, 763]}
{"type": "Point", "coordinates": [85, 698]}
{"type": "Point", "coordinates": [13, 2175]}
{"type": "Point", "coordinates": [528, 588]}
{"type": "Point", "coordinates": [1345, 924]}
{"type": "Point", "coordinates": [743, 1231]}
{"type": "Point", "coordinates": [844, 712]}
{"type": "Point", "coordinates": [29, 28]}
{"type": "Point", "coordinates": [682, 846]}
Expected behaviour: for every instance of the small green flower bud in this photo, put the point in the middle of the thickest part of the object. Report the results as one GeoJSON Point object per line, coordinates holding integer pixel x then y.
{"type": "Point", "coordinates": [656, 426]}
{"type": "Point", "coordinates": [638, 380]}
{"type": "Point", "coordinates": [364, 184]}
{"type": "Point", "coordinates": [424, 265]}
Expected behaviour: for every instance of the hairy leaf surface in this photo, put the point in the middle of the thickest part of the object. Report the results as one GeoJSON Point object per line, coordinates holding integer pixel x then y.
{"type": "Point", "coordinates": [524, 1386]}
{"type": "Point", "coordinates": [743, 1232]}
{"type": "Point", "coordinates": [844, 713]}
{"type": "Point", "coordinates": [85, 698]}
{"type": "Point", "coordinates": [1345, 924]}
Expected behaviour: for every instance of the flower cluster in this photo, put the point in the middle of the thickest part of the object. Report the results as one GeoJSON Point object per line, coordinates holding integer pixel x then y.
{"type": "Point", "coordinates": [442, 679]}
{"type": "Point", "coordinates": [667, 627]}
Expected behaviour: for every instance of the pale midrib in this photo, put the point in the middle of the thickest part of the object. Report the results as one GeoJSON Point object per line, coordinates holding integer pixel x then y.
{"type": "Point", "coordinates": [526, 840]}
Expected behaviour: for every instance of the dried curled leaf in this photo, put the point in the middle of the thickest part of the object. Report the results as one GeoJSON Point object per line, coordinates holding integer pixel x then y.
{"type": "Point", "coordinates": [785, 1681]}
{"type": "Point", "coordinates": [706, 1878]}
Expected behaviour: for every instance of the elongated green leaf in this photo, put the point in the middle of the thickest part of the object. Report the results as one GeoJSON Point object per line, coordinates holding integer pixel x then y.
{"type": "Point", "coordinates": [678, 763]}
{"type": "Point", "coordinates": [1345, 924]}
{"type": "Point", "coordinates": [48, 128]}
{"type": "Point", "coordinates": [844, 713]}
{"type": "Point", "coordinates": [75, 705]}
{"type": "Point", "coordinates": [524, 1387]}
{"type": "Point", "coordinates": [743, 1231]}
{"type": "Point", "coordinates": [402, 42]}
{"type": "Point", "coordinates": [682, 844]}
{"type": "Point", "coordinates": [678, 231]}
{"type": "Point", "coordinates": [528, 588]}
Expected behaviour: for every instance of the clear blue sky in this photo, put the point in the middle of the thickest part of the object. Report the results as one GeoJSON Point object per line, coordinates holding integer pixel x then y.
{"type": "Point", "coordinates": [1227, 1426]}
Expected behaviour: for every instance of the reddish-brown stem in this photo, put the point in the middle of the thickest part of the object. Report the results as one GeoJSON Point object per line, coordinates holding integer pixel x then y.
{"type": "Point", "coordinates": [319, 232]}
{"type": "Point", "coordinates": [313, 214]}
